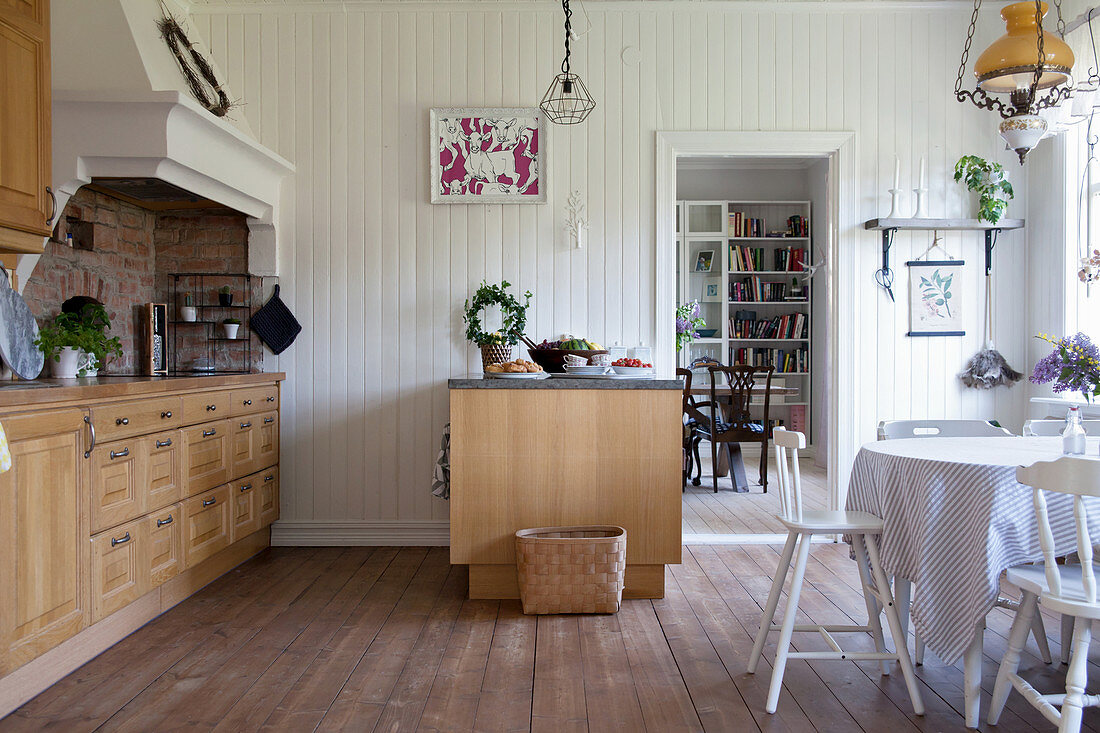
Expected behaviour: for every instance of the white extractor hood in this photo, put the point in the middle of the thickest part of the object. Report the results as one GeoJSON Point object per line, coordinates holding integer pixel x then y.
{"type": "Point", "coordinates": [121, 110]}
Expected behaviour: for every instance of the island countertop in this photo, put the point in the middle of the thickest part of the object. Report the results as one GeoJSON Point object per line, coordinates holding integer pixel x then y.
{"type": "Point", "coordinates": [477, 381]}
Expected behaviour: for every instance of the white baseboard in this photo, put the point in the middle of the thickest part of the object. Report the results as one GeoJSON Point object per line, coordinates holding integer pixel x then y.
{"type": "Point", "coordinates": [364, 533]}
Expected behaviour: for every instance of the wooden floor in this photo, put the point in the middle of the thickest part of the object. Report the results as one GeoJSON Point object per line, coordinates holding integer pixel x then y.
{"type": "Point", "coordinates": [302, 639]}
{"type": "Point", "coordinates": [727, 512]}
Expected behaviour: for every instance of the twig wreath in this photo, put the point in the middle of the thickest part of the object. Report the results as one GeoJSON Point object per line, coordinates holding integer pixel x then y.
{"type": "Point", "coordinates": [196, 69]}
{"type": "Point", "coordinates": [514, 314]}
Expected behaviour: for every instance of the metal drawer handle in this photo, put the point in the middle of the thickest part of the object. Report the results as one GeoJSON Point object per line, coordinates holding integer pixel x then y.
{"type": "Point", "coordinates": [211, 408]}
{"type": "Point", "coordinates": [53, 205]}
{"type": "Point", "coordinates": [120, 540]}
{"type": "Point", "coordinates": [268, 478]}
{"type": "Point", "coordinates": [91, 430]}
{"type": "Point", "coordinates": [246, 425]}
{"type": "Point", "coordinates": [166, 414]}
{"type": "Point", "coordinates": [208, 433]}
{"type": "Point", "coordinates": [246, 487]}
{"type": "Point", "coordinates": [268, 420]}
{"type": "Point", "coordinates": [270, 399]}
{"type": "Point", "coordinates": [164, 522]}
{"type": "Point", "coordinates": [164, 443]}
{"type": "Point", "coordinates": [122, 421]}
{"type": "Point", "coordinates": [120, 454]}
{"type": "Point", "coordinates": [209, 502]}
{"type": "Point", "coordinates": [248, 402]}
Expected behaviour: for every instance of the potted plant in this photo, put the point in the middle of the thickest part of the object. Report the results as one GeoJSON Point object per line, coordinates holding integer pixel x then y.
{"type": "Point", "coordinates": [230, 326]}
{"type": "Point", "coordinates": [225, 296]}
{"type": "Point", "coordinates": [98, 347]}
{"type": "Point", "coordinates": [188, 312]}
{"type": "Point", "coordinates": [496, 347]}
{"type": "Point", "coordinates": [75, 343]}
{"type": "Point", "coordinates": [988, 180]}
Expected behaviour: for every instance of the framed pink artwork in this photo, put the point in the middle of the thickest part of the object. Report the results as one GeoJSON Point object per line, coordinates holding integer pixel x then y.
{"type": "Point", "coordinates": [488, 155]}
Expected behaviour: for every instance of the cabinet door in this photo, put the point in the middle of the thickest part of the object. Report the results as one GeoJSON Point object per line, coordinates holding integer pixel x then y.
{"type": "Point", "coordinates": [25, 146]}
{"type": "Point", "coordinates": [205, 525]}
{"type": "Point", "coordinates": [206, 456]}
{"type": "Point", "coordinates": [44, 551]}
{"type": "Point", "coordinates": [163, 556]}
{"type": "Point", "coordinates": [269, 496]}
{"type": "Point", "coordinates": [267, 439]}
{"type": "Point", "coordinates": [245, 514]}
{"type": "Point", "coordinates": [245, 445]}
{"type": "Point", "coordinates": [118, 578]}
{"type": "Point", "coordinates": [118, 483]}
{"type": "Point", "coordinates": [164, 486]}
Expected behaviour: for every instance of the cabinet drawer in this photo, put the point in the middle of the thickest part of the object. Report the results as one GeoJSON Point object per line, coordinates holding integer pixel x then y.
{"type": "Point", "coordinates": [267, 448]}
{"type": "Point", "coordinates": [206, 456]}
{"type": "Point", "coordinates": [117, 577]}
{"type": "Point", "coordinates": [163, 556]}
{"type": "Point", "coordinates": [205, 525]}
{"type": "Point", "coordinates": [204, 406]}
{"type": "Point", "coordinates": [255, 399]}
{"type": "Point", "coordinates": [118, 482]}
{"type": "Point", "coordinates": [268, 482]}
{"type": "Point", "coordinates": [245, 444]}
{"type": "Point", "coordinates": [136, 417]}
{"type": "Point", "coordinates": [164, 484]}
{"type": "Point", "coordinates": [245, 512]}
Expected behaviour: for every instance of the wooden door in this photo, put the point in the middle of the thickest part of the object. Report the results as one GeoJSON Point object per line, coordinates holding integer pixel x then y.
{"type": "Point", "coordinates": [267, 439]}
{"type": "Point", "coordinates": [44, 549]}
{"type": "Point", "coordinates": [245, 445]}
{"type": "Point", "coordinates": [205, 525]}
{"type": "Point", "coordinates": [269, 496]}
{"type": "Point", "coordinates": [118, 483]}
{"type": "Point", "coordinates": [245, 514]}
{"type": "Point", "coordinates": [163, 484]}
{"type": "Point", "coordinates": [163, 555]}
{"type": "Point", "coordinates": [206, 456]}
{"type": "Point", "coordinates": [26, 207]}
{"type": "Point", "coordinates": [118, 577]}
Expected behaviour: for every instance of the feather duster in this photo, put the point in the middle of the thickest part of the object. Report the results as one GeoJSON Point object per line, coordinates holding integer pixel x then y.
{"type": "Point", "coordinates": [988, 369]}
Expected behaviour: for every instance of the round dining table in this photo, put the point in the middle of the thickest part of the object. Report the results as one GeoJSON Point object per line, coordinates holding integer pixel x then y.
{"type": "Point", "coordinates": [954, 518]}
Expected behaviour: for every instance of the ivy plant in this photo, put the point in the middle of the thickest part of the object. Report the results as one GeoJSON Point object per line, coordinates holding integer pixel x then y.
{"type": "Point", "coordinates": [514, 314]}
{"type": "Point", "coordinates": [989, 181]}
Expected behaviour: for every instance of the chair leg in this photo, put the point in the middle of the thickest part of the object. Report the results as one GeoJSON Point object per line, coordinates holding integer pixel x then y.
{"type": "Point", "coordinates": [918, 646]}
{"type": "Point", "coordinates": [901, 647]}
{"type": "Point", "coordinates": [698, 462]}
{"type": "Point", "coordinates": [764, 466]}
{"type": "Point", "coordinates": [1040, 632]}
{"type": "Point", "coordinates": [1067, 636]}
{"type": "Point", "coordinates": [873, 609]}
{"type": "Point", "coordinates": [1076, 677]}
{"type": "Point", "coordinates": [784, 645]}
{"type": "Point", "coordinates": [1017, 637]}
{"type": "Point", "coordinates": [768, 618]}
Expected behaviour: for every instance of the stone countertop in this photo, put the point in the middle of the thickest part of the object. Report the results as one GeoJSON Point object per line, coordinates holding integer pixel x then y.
{"type": "Point", "coordinates": [561, 381]}
{"type": "Point", "coordinates": [48, 391]}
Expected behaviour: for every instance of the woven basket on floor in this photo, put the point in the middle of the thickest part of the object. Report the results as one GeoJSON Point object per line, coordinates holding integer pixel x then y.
{"type": "Point", "coordinates": [495, 354]}
{"type": "Point", "coordinates": [571, 569]}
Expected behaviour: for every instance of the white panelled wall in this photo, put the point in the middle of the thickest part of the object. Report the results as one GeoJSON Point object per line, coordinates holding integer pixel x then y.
{"type": "Point", "coordinates": [377, 275]}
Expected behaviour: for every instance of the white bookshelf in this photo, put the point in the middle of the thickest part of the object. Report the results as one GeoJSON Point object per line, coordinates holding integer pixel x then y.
{"type": "Point", "coordinates": [706, 225]}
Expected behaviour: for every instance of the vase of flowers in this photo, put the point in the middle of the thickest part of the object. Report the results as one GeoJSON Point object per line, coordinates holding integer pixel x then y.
{"type": "Point", "coordinates": [1072, 366]}
{"type": "Point", "coordinates": [688, 321]}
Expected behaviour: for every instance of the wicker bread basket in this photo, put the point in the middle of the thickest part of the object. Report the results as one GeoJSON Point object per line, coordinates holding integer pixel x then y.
{"type": "Point", "coordinates": [571, 569]}
{"type": "Point", "coordinates": [495, 354]}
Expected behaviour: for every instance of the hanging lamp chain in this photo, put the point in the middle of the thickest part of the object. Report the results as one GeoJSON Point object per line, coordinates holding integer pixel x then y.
{"type": "Point", "coordinates": [568, 27]}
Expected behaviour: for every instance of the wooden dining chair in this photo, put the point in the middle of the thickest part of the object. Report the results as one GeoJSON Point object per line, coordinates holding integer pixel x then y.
{"type": "Point", "coordinates": [733, 424]}
{"type": "Point", "coordinates": [802, 525]}
{"type": "Point", "coordinates": [1066, 589]}
{"type": "Point", "coordinates": [894, 429]}
{"type": "Point", "coordinates": [690, 447]}
{"type": "Point", "coordinates": [1050, 428]}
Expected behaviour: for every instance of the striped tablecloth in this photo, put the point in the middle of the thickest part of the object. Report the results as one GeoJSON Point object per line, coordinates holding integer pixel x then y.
{"type": "Point", "coordinates": [954, 518]}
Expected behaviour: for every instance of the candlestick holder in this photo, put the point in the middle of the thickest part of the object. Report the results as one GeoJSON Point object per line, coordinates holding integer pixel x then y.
{"type": "Point", "coordinates": [922, 207]}
{"type": "Point", "coordinates": [895, 198]}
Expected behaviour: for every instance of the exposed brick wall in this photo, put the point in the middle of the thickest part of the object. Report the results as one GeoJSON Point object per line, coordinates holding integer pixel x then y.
{"type": "Point", "coordinates": [134, 252]}
{"type": "Point", "coordinates": [119, 272]}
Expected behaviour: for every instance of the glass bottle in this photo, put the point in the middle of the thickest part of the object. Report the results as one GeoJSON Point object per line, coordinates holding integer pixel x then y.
{"type": "Point", "coordinates": [1073, 436]}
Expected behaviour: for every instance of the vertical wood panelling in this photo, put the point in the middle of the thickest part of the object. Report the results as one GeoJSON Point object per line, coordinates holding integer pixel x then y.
{"type": "Point", "coordinates": [377, 275]}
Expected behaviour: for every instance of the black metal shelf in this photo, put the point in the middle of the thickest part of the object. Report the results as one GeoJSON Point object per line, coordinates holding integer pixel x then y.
{"type": "Point", "coordinates": [212, 339]}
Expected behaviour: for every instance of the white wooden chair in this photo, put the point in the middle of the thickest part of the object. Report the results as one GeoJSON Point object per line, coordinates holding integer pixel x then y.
{"type": "Point", "coordinates": [894, 429]}
{"type": "Point", "coordinates": [1066, 589]}
{"type": "Point", "coordinates": [801, 526]}
{"type": "Point", "coordinates": [1050, 428]}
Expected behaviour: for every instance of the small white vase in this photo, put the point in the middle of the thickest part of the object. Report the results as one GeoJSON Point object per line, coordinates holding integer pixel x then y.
{"type": "Point", "coordinates": [67, 363]}
{"type": "Point", "coordinates": [88, 364]}
{"type": "Point", "coordinates": [230, 330]}
{"type": "Point", "coordinates": [189, 313]}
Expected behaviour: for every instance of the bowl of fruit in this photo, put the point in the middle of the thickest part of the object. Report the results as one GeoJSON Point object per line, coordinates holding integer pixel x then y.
{"type": "Point", "coordinates": [550, 355]}
{"type": "Point", "coordinates": [632, 367]}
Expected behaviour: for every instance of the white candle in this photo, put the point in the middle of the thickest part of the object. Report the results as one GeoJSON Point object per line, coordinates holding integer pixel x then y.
{"type": "Point", "coordinates": [921, 186]}
{"type": "Point", "coordinates": [897, 172]}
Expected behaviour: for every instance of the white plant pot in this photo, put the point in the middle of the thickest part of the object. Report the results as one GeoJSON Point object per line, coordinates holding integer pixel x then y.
{"type": "Point", "coordinates": [189, 313]}
{"type": "Point", "coordinates": [230, 330]}
{"type": "Point", "coordinates": [67, 364]}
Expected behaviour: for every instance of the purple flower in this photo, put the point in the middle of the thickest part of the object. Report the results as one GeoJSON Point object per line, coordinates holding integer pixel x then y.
{"type": "Point", "coordinates": [1073, 365]}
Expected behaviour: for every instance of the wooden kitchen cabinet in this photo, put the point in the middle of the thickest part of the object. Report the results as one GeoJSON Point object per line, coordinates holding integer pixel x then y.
{"type": "Point", "coordinates": [117, 576]}
{"type": "Point", "coordinates": [27, 206]}
{"type": "Point", "coordinates": [269, 496]}
{"type": "Point", "coordinates": [206, 456]}
{"type": "Point", "coordinates": [164, 480]}
{"type": "Point", "coordinates": [44, 550]}
{"type": "Point", "coordinates": [245, 514]}
{"type": "Point", "coordinates": [118, 483]}
{"type": "Point", "coordinates": [255, 399]}
{"type": "Point", "coordinates": [206, 525]}
{"type": "Point", "coordinates": [162, 558]}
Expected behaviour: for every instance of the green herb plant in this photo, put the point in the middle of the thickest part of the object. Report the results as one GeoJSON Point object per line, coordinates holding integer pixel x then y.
{"type": "Point", "coordinates": [86, 331]}
{"type": "Point", "coordinates": [231, 321]}
{"type": "Point", "coordinates": [989, 181]}
{"type": "Point", "coordinates": [514, 315]}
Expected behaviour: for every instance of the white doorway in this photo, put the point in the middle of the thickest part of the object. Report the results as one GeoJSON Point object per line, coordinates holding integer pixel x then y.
{"type": "Point", "coordinates": [832, 153]}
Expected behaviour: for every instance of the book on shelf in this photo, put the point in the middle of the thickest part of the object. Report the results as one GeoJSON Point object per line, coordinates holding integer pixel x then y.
{"type": "Point", "coordinates": [784, 360]}
{"type": "Point", "coordinates": [782, 326]}
{"type": "Point", "coordinates": [756, 289]}
{"type": "Point", "coordinates": [798, 226]}
{"type": "Point", "coordinates": [742, 225]}
{"type": "Point", "coordinates": [790, 259]}
{"type": "Point", "coordinates": [798, 418]}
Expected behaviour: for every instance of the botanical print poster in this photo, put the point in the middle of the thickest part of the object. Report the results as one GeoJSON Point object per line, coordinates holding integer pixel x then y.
{"type": "Point", "coordinates": [488, 156]}
{"type": "Point", "coordinates": [935, 305]}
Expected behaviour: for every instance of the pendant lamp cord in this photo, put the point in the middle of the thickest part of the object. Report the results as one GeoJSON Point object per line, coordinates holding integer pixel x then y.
{"type": "Point", "coordinates": [568, 27]}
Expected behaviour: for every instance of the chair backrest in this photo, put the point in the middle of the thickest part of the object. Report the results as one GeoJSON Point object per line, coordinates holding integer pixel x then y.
{"type": "Point", "coordinates": [1079, 477]}
{"type": "Point", "coordinates": [741, 380]}
{"type": "Point", "coordinates": [787, 445]}
{"type": "Point", "coordinates": [893, 429]}
{"type": "Point", "coordinates": [686, 375]}
{"type": "Point", "coordinates": [1055, 427]}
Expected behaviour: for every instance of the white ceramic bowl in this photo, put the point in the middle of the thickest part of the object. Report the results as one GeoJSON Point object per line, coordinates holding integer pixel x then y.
{"type": "Point", "coordinates": [633, 371]}
{"type": "Point", "coordinates": [585, 369]}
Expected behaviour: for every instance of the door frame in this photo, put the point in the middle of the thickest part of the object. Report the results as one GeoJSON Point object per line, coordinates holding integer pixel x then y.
{"type": "Point", "coordinates": [836, 147]}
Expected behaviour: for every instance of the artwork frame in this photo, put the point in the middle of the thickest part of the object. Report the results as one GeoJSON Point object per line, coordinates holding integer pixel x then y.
{"type": "Point", "coordinates": [936, 298]}
{"type": "Point", "coordinates": [712, 290]}
{"type": "Point", "coordinates": [515, 130]}
{"type": "Point", "coordinates": [704, 260]}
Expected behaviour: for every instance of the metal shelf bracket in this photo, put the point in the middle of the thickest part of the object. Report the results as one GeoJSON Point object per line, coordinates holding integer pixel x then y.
{"type": "Point", "coordinates": [990, 242]}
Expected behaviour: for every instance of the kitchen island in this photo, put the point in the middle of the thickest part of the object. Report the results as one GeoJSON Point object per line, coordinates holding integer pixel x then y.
{"type": "Point", "coordinates": [564, 451]}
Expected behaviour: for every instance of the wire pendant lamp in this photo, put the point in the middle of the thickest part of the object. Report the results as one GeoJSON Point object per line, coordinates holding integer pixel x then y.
{"type": "Point", "coordinates": [567, 101]}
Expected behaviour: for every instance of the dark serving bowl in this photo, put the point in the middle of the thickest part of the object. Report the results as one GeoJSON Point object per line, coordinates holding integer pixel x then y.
{"type": "Point", "coordinates": [553, 360]}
